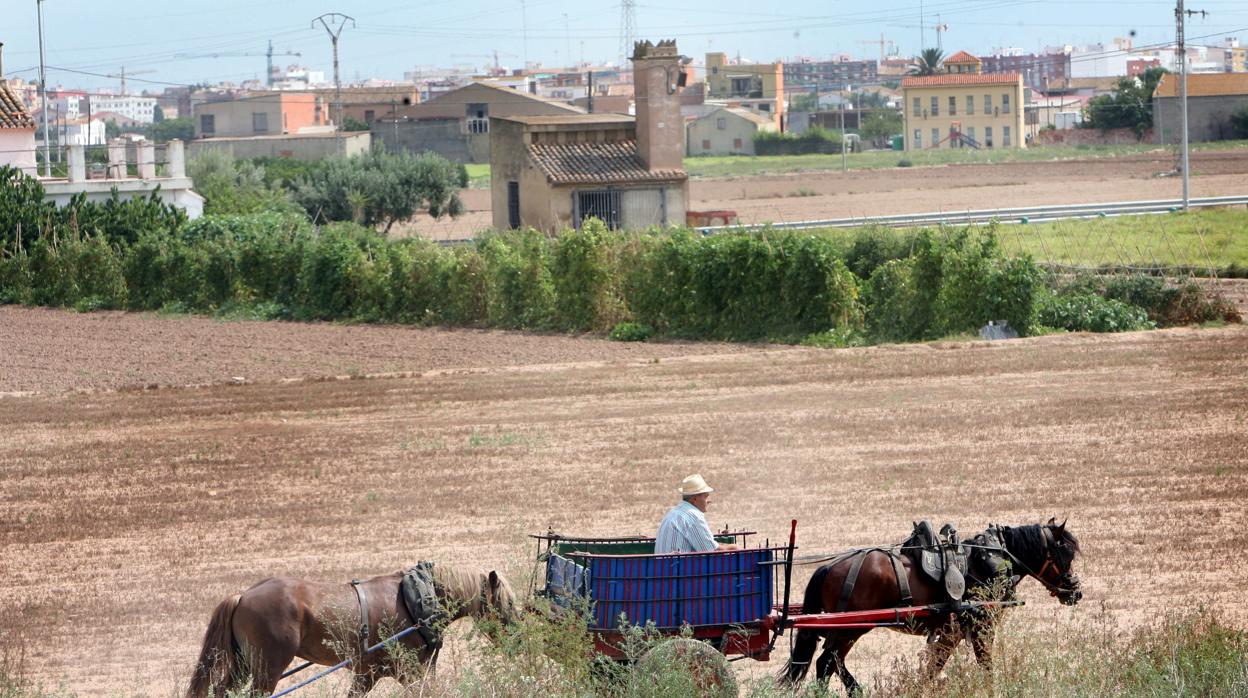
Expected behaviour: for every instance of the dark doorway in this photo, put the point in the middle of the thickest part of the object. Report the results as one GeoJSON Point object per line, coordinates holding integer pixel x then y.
{"type": "Point", "coordinates": [513, 205]}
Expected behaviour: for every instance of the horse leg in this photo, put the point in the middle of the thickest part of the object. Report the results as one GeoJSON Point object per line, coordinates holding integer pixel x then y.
{"type": "Point", "coordinates": [267, 648]}
{"type": "Point", "coordinates": [835, 650]}
{"type": "Point", "coordinates": [804, 648]}
{"type": "Point", "coordinates": [940, 647]}
{"type": "Point", "coordinates": [981, 643]}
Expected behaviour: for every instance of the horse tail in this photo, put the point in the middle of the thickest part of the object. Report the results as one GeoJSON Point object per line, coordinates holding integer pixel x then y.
{"type": "Point", "coordinates": [807, 641]}
{"type": "Point", "coordinates": [218, 659]}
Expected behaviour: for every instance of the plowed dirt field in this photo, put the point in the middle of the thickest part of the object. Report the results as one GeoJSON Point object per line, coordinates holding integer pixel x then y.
{"type": "Point", "coordinates": [126, 515]}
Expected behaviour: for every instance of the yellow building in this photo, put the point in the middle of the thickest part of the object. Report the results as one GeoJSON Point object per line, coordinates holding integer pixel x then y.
{"type": "Point", "coordinates": [963, 107]}
{"type": "Point", "coordinates": [758, 87]}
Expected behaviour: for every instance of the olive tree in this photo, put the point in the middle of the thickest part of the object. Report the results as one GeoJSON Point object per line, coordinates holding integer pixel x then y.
{"type": "Point", "coordinates": [379, 188]}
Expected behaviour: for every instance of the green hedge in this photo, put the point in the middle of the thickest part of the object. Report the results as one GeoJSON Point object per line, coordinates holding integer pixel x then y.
{"type": "Point", "coordinates": [812, 140]}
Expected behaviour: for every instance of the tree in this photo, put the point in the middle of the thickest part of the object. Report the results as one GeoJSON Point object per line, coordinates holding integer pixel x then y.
{"type": "Point", "coordinates": [235, 187]}
{"type": "Point", "coordinates": [928, 62]}
{"type": "Point", "coordinates": [869, 100]}
{"type": "Point", "coordinates": [1129, 106]}
{"type": "Point", "coordinates": [380, 188]}
{"type": "Point", "coordinates": [880, 124]}
{"type": "Point", "coordinates": [169, 129]}
{"type": "Point", "coordinates": [1239, 123]}
{"type": "Point", "coordinates": [111, 129]}
{"type": "Point", "coordinates": [805, 102]}
{"type": "Point", "coordinates": [158, 114]}
{"type": "Point", "coordinates": [351, 123]}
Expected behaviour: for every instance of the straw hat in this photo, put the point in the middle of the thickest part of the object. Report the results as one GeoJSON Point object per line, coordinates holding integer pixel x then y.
{"type": "Point", "coordinates": [694, 484]}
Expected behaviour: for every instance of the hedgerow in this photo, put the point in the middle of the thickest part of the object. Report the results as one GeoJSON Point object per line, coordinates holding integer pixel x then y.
{"type": "Point", "coordinates": [821, 289]}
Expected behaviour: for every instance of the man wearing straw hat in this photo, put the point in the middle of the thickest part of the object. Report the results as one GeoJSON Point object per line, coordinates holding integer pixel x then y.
{"type": "Point", "coordinates": [684, 529]}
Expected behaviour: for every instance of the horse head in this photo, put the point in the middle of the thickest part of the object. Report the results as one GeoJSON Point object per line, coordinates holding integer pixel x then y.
{"type": "Point", "coordinates": [500, 600]}
{"type": "Point", "coordinates": [1057, 571]}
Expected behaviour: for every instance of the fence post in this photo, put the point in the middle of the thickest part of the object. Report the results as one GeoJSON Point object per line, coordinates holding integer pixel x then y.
{"type": "Point", "coordinates": [117, 158]}
{"type": "Point", "coordinates": [145, 154]}
{"type": "Point", "coordinates": [77, 156]}
{"type": "Point", "coordinates": [175, 158]}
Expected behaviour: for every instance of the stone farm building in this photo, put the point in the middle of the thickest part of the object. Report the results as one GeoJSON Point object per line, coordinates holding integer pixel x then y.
{"type": "Point", "coordinates": [553, 172]}
{"type": "Point", "coordinates": [726, 131]}
{"type": "Point", "coordinates": [1211, 100]}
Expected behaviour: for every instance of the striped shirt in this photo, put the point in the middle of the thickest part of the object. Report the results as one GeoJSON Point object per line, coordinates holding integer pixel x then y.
{"type": "Point", "coordinates": [684, 530]}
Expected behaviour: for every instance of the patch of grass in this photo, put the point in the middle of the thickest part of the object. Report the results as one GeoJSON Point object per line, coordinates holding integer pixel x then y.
{"type": "Point", "coordinates": [478, 176]}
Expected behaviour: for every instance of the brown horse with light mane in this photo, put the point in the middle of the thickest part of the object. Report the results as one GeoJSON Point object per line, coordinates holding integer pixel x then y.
{"type": "Point", "coordinates": [1044, 552]}
{"type": "Point", "coordinates": [255, 635]}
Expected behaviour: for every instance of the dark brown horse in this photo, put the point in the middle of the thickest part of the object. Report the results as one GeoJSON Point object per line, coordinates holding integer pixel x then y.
{"type": "Point", "coordinates": [255, 635]}
{"type": "Point", "coordinates": [1045, 552]}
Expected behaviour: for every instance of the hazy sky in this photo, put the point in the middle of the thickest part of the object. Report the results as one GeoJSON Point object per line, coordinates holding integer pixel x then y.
{"type": "Point", "coordinates": [390, 37]}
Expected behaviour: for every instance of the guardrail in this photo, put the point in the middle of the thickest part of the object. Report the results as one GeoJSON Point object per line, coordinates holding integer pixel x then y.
{"type": "Point", "coordinates": [1033, 214]}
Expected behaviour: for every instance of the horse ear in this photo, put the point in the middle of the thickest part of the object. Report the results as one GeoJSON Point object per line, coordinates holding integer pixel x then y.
{"type": "Point", "coordinates": [493, 579]}
{"type": "Point", "coordinates": [1062, 525]}
{"type": "Point", "coordinates": [1052, 521]}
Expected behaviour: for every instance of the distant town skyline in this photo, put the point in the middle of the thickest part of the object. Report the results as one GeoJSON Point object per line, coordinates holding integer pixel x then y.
{"type": "Point", "coordinates": [165, 44]}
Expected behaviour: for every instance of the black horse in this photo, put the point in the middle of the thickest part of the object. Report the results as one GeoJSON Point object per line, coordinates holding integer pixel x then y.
{"type": "Point", "coordinates": [1045, 552]}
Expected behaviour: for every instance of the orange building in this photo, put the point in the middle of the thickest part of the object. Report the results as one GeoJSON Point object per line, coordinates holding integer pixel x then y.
{"type": "Point", "coordinates": [263, 114]}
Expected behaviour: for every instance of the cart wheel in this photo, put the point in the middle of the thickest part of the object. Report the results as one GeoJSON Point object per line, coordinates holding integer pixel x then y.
{"type": "Point", "coordinates": [682, 666]}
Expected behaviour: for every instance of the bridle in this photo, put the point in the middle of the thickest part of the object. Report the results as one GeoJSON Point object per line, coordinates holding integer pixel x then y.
{"type": "Point", "coordinates": [1049, 561]}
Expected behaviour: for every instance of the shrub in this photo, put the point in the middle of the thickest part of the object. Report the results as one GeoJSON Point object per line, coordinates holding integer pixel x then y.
{"type": "Point", "coordinates": [1088, 312]}
{"type": "Point", "coordinates": [875, 245]}
{"type": "Point", "coordinates": [904, 162]}
{"type": "Point", "coordinates": [521, 291]}
{"type": "Point", "coordinates": [812, 140]}
{"type": "Point", "coordinates": [631, 332]}
{"type": "Point", "coordinates": [236, 187]}
{"type": "Point", "coordinates": [586, 280]}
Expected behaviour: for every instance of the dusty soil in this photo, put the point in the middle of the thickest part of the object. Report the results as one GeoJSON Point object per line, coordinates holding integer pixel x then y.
{"type": "Point", "coordinates": [125, 516]}
{"type": "Point", "coordinates": [820, 195]}
{"type": "Point", "coordinates": [47, 350]}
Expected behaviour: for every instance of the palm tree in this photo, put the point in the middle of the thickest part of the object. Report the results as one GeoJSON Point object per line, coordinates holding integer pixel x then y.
{"type": "Point", "coordinates": [928, 62]}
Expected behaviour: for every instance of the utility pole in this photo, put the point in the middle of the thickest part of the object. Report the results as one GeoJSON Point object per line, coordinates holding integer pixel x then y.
{"type": "Point", "coordinates": [524, 30]}
{"type": "Point", "coordinates": [567, 37]}
{"type": "Point", "coordinates": [268, 75]}
{"type": "Point", "coordinates": [1180, 15]}
{"type": "Point", "coordinates": [844, 143]}
{"type": "Point", "coordinates": [589, 92]}
{"type": "Point", "coordinates": [43, 96]}
{"type": "Point", "coordinates": [334, 25]}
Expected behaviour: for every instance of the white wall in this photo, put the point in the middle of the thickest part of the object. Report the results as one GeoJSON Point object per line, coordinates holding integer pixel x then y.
{"type": "Point", "coordinates": [17, 148]}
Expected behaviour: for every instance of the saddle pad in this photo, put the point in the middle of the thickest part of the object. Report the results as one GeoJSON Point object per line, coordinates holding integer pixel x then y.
{"type": "Point", "coordinates": [420, 596]}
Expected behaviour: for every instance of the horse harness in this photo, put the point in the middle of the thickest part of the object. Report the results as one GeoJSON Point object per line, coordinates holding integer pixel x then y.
{"type": "Point", "coordinates": [851, 580]}
{"type": "Point", "coordinates": [940, 556]}
{"type": "Point", "coordinates": [419, 592]}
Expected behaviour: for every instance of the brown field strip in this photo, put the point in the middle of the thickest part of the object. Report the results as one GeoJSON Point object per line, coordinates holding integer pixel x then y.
{"type": "Point", "coordinates": [125, 516]}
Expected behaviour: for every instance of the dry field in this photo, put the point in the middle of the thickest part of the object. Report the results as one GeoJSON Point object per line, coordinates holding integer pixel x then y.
{"type": "Point", "coordinates": [125, 515]}
{"type": "Point", "coordinates": [821, 195]}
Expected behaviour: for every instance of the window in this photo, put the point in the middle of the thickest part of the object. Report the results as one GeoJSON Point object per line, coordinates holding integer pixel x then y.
{"type": "Point", "coordinates": [935, 137]}
{"type": "Point", "coordinates": [513, 205]}
{"type": "Point", "coordinates": [259, 122]}
{"type": "Point", "coordinates": [988, 104]}
{"type": "Point", "coordinates": [1005, 104]}
{"type": "Point", "coordinates": [721, 123]}
{"type": "Point", "coordinates": [918, 139]}
{"type": "Point", "coordinates": [953, 106]}
{"type": "Point", "coordinates": [987, 136]}
{"type": "Point", "coordinates": [369, 116]}
{"type": "Point", "coordinates": [1005, 136]}
{"type": "Point", "coordinates": [918, 107]}
{"type": "Point", "coordinates": [706, 144]}
{"type": "Point", "coordinates": [935, 111]}
{"type": "Point", "coordinates": [603, 205]}
{"type": "Point", "coordinates": [207, 124]}
{"type": "Point", "coordinates": [970, 134]}
{"type": "Point", "coordinates": [970, 104]}
{"type": "Point", "coordinates": [764, 107]}
{"type": "Point", "coordinates": [736, 144]}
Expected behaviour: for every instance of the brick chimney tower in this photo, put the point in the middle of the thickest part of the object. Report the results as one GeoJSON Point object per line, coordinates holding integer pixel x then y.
{"type": "Point", "coordinates": [657, 79]}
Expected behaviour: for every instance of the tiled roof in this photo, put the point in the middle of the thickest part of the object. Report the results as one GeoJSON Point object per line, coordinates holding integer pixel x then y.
{"type": "Point", "coordinates": [1204, 85]}
{"type": "Point", "coordinates": [612, 162]}
{"type": "Point", "coordinates": [955, 79]}
{"type": "Point", "coordinates": [962, 57]}
{"type": "Point", "coordinates": [12, 113]}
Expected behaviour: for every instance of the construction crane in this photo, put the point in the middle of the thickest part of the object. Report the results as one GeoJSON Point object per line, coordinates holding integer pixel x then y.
{"type": "Point", "coordinates": [232, 54]}
{"type": "Point", "coordinates": [122, 75]}
{"type": "Point", "coordinates": [881, 43]}
{"type": "Point", "coordinates": [497, 66]}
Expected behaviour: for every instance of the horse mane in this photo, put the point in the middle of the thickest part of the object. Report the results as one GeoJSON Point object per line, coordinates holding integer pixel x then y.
{"type": "Point", "coordinates": [465, 586]}
{"type": "Point", "coordinates": [1028, 541]}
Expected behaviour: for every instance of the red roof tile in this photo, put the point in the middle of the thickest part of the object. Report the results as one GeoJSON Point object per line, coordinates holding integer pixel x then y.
{"type": "Point", "coordinates": [962, 57]}
{"type": "Point", "coordinates": [12, 113]}
{"type": "Point", "coordinates": [612, 162]}
{"type": "Point", "coordinates": [954, 79]}
{"type": "Point", "coordinates": [1204, 85]}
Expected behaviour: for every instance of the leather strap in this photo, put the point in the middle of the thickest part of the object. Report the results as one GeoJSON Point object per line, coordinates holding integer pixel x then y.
{"type": "Point", "coordinates": [903, 579]}
{"type": "Point", "coordinates": [364, 629]}
{"type": "Point", "coordinates": [847, 589]}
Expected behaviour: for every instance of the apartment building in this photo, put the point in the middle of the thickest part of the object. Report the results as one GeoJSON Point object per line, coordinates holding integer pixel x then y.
{"type": "Point", "coordinates": [758, 87]}
{"type": "Point", "coordinates": [964, 107]}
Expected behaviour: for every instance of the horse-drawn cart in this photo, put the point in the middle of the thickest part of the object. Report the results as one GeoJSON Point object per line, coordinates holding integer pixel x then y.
{"type": "Point", "coordinates": [736, 601]}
